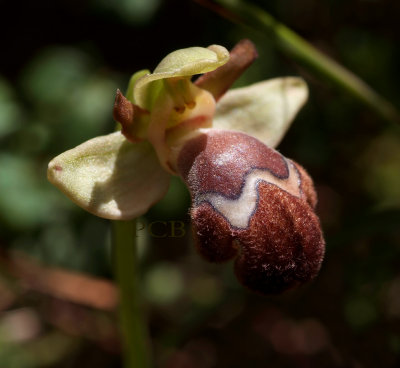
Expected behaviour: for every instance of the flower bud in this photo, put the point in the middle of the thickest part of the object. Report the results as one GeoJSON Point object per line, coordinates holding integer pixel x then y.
{"type": "Point", "coordinates": [252, 204]}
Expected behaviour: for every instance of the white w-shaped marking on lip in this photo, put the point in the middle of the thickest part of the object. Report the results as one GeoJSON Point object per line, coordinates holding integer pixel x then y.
{"type": "Point", "coordinates": [239, 211]}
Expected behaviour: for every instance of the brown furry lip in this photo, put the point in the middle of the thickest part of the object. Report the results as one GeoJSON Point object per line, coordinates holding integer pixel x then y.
{"type": "Point", "coordinates": [279, 244]}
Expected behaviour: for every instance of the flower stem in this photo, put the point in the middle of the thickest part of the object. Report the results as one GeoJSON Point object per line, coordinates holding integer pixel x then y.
{"type": "Point", "coordinates": [132, 323]}
{"type": "Point", "coordinates": [299, 49]}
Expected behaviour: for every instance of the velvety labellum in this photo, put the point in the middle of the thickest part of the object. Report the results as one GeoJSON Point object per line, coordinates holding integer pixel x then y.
{"type": "Point", "coordinates": [252, 204]}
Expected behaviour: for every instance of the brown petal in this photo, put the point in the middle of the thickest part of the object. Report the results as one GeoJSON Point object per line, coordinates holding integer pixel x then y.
{"type": "Point", "coordinates": [219, 80]}
{"type": "Point", "coordinates": [132, 118]}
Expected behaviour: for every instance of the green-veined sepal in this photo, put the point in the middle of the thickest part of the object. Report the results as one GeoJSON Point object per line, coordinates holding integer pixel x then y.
{"type": "Point", "coordinates": [264, 110]}
{"type": "Point", "coordinates": [110, 177]}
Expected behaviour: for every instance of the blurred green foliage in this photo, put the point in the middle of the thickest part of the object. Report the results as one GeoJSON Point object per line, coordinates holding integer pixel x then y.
{"type": "Point", "coordinates": [57, 86]}
{"type": "Point", "coordinates": [130, 11]}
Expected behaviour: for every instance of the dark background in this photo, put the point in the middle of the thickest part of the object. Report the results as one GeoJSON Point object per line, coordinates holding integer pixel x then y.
{"type": "Point", "coordinates": [60, 65]}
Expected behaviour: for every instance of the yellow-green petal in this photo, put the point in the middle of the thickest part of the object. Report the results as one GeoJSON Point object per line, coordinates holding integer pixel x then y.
{"type": "Point", "coordinates": [182, 63]}
{"type": "Point", "coordinates": [110, 177]}
{"type": "Point", "coordinates": [264, 110]}
{"type": "Point", "coordinates": [192, 60]}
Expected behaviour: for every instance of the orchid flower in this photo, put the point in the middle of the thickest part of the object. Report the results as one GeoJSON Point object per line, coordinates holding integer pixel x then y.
{"type": "Point", "coordinates": [249, 203]}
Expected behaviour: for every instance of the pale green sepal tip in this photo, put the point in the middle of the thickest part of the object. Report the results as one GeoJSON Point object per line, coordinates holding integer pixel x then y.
{"type": "Point", "coordinates": [183, 63]}
{"type": "Point", "coordinates": [110, 177]}
{"type": "Point", "coordinates": [264, 110]}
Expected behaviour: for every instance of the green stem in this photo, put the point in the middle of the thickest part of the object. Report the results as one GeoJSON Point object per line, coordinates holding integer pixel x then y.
{"type": "Point", "coordinates": [302, 51]}
{"type": "Point", "coordinates": [132, 323]}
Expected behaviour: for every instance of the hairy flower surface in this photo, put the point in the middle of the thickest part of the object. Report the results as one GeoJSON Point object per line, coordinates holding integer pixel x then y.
{"type": "Point", "coordinates": [248, 201]}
